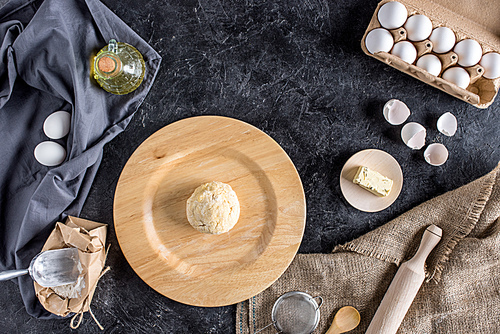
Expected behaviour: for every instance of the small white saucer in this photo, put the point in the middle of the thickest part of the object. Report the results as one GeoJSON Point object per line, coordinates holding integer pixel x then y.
{"type": "Point", "coordinates": [376, 160]}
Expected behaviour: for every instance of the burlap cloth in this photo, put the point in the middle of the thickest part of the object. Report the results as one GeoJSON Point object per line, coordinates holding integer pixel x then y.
{"type": "Point", "coordinates": [461, 294]}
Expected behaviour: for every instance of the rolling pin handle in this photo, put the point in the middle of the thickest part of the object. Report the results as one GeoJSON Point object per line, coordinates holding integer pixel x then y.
{"type": "Point", "coordinates": [404, 287]}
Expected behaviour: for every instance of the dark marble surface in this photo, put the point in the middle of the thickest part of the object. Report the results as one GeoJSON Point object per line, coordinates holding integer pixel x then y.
{"type": "Point", "coordinates": [295, 70]}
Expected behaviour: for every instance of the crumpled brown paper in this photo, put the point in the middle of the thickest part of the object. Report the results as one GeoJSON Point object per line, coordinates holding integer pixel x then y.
{"type": "Point", "coordinates": [90, 239]}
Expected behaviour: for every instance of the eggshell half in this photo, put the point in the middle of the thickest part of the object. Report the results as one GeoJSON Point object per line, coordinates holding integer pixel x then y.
{"type": "Point", "coordinates": [396, 112]}
{"type": "Point", "coordinates": [436, 154]}
{"type": "Point", "coordinates": [413, 135]}
{"type": "Point", "coordinates": [447, 124]}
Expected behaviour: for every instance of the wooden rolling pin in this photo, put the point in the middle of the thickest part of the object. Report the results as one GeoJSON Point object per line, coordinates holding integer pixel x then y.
{"type": "Point", "coordinates": [404, 287]}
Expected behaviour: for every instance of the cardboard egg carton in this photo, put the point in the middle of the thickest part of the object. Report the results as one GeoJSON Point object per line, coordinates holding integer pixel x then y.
{"type": "Point", "coordinates": [475, 19]}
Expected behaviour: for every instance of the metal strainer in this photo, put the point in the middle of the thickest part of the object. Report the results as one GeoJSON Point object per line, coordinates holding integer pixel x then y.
{"type": "Point", "coordinates": [295, 312]}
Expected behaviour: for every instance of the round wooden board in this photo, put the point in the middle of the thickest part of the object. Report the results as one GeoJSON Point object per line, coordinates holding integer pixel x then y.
{"type": "Point", "coordinates": [376, 160]}
{"type": "Point", "coordinates": [201, 269]}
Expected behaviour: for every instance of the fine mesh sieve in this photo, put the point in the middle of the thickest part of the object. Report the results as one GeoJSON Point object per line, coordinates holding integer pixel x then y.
{"type": "Point", "coordinates": [295, 312]}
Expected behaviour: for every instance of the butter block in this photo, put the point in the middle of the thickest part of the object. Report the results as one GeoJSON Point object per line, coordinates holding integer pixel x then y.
{"type": "Point", "coordinates": [373, 181]}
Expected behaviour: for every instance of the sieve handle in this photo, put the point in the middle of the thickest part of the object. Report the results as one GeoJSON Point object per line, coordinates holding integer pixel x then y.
{"type": "Point", "coordinates": [404, 287]}
{"type": "Point", "coordinates": [260, 330]}
{"type": "Point", "coordinates": [320, 301]}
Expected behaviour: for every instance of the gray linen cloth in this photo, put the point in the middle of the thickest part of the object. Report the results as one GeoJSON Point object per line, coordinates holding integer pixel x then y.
{"type": "Point", "coordinates": [45, 53]}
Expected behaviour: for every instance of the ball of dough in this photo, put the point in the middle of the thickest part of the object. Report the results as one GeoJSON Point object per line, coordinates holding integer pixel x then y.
{"type": "Point", "coordinates": [213, 208]}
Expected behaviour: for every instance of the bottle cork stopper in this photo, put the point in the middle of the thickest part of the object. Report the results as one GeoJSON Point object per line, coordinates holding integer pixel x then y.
{"type": "Point", "coordinates": [106, 64]}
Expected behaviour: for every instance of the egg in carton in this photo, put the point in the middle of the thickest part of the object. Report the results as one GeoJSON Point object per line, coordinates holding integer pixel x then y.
{"type": "Point", "coordinates": [451, 46]}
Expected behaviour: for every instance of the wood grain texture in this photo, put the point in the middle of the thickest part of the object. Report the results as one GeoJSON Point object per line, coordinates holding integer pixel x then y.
{"type": "Point", "coordinates": [404, 287]}
{"type": "Point", "coordinates": [182, 263]}
{"type": "Point", "coordinates": [378, 161]}
{"type": "Point", "coordinates": [346, 319]}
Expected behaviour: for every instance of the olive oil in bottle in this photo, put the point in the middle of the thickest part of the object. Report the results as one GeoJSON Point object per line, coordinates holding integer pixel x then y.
{"type": "Point", "coordinates": [119, 68]}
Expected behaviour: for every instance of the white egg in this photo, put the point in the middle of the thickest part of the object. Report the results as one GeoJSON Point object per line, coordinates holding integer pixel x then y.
{"type": "Point", "coordinates": [57, 124]}
{"type": "Point", "coordinates": [430, 63]}
{"type": "Point", "coordinates": [379, 40]}
{"type": "Point", "coordinates": [406, 51]}
{"type": "Point", "coordinates": [458, 76]}
{"type": "Point", "coordinates": [392, 15]}
{"type": "Point", "coordinates": [443, 39]}
{"type": "Point", "coordinates": [447, 124]}
{"type": "Point", "coordinates": [491, 64]}
{"type": "Point", "coordinates": [413, 135]}
{"type": "Point", "coordinates": [436, 154]}
{"type": "Point", "coordinates": [469, 52]}
{"type": "Point", "coordinates": [418, 27]}
{"type": "Point", "coordinates": [396, 112]}
{"type": "Point", "coordinates": [49, 153]}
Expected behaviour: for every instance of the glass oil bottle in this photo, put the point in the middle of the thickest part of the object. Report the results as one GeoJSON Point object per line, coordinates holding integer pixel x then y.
{"type": "Point", "coordinates": [118, 68]}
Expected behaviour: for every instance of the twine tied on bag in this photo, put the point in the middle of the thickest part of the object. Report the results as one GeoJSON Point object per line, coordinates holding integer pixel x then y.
{"type": "Point", "coordinates": [81, 311]}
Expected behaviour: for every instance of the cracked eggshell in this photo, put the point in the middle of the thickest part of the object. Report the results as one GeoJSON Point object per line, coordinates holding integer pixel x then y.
{"type": "Point", "coordinates": [378, 40]}
{"type": "Point", "coordinates": [396, 112]}
{"type": "Point", "coordinates": [413, 135]}
{"type": "Point", "coordinates": [406, 51]}
{"type": "Point", "coordinates": [392, 15]}
{"type": "Point", "coordinates": [447, 124]}
{"type": "Point", "coordinates": [436, 154]}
